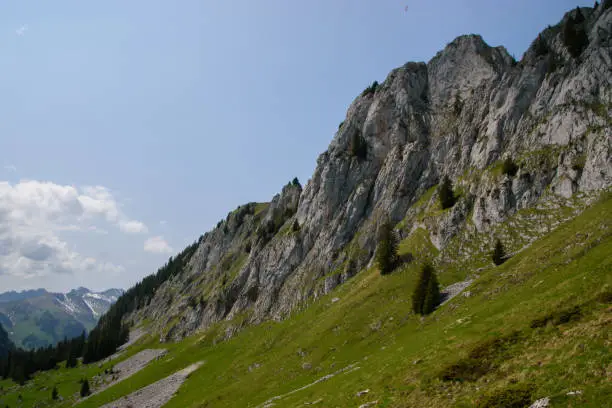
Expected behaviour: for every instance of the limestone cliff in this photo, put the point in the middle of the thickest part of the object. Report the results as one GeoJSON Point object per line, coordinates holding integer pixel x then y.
{"type": "Point", "coordinates": [459, 115]}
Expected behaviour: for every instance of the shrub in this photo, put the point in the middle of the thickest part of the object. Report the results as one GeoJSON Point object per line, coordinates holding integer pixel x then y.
{"type": "Point", "coordinates": [386, 251]}
{"type": "Point", "coordinates": [457, 105]}
{"type": "Point", "coordinates": [605, 297]}
{"type": "Point", "coordinates": [358, 146]}
{"type": "Point", "coordinates": [54, 393]}
{"type": "Point", "coordinates": [515, 396]}
{"type": "Point", "coordinates": [193, 302]}
{"type": "Point", "coordinates": [85, 388]}
{"type": "Point", "coordinates": [509, 167]}
{"type": "Point", "coordinates": [296, 226]}
{"type": "Point", "coordinates": [247, 247]}
{"type": "Point", "coordinates": [557, 318]}
{"type": "Point", "coordinates": [499, 254]}
{"type": "Point", "coordinates": [579, 163]}
{"type": "Point", "coordinates": [426, 295]}
{"type": "Point", "coordinates": [446, 194]}
{"type": "Point", "coordinates": [482, 359]}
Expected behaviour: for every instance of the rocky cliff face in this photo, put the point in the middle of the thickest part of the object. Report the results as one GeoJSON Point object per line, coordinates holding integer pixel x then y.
{"type": "Point", "coordinates": [459, 115]}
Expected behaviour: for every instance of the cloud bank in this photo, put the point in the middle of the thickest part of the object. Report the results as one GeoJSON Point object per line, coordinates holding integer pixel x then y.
{"type": "Point", "coordinates": [33, 213]}
{"type": "Point", "coordinates": [157, 245]}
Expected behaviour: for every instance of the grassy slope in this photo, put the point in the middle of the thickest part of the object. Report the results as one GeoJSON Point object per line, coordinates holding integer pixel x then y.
{"type": "Point", "coordinates": [399, 355]}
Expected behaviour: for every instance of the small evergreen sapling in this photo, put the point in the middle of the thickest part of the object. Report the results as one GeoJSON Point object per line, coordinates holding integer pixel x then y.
{"type": "Point", "coordinates": [85, 391]}
{"type": "Point", "coordinates": [499, 254]}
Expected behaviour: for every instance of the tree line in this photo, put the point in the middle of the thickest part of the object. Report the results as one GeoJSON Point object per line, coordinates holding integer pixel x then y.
{"type": "Point", "coordinates": [110, 332]}
{"type": "Point", "coordinates": [19, 365]}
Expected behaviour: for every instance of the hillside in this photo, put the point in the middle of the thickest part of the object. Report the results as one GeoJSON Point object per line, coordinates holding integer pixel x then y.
{"type": "Point", "coordinates": [283, 304]}
{"type": "Point", "coordinates": [461, 115]}
{"type": "Point", "coordinates": [39, 318]}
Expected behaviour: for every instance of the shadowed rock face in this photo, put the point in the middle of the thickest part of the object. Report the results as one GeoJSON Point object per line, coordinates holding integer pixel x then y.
{"type": "Point", "coordinates": [458, 115]}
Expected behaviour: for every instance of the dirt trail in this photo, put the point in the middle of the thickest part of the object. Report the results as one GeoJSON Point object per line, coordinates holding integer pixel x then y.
{"type": "Point", "coordinates": [127, 368]}
{"type": "Point", "coordinates": [453, 290]}
{"type": "Point", "coordinates": [157, 394]}
{"type": "Point", "coordinates": [270, 403]}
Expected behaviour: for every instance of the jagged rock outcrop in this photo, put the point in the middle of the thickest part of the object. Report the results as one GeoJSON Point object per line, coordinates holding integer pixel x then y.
{"type": "Point", "coordinates": [458, 115]}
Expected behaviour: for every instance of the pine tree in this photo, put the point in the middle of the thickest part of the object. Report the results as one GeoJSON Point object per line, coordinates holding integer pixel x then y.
{"type": "Point", "coordinates": [499, 254]}
{"type": "Point", "coordinates": [54, 393]}
{"type": "Point", "coordinates": [446, 194]}
{"type": "Point", "coordinates": [85, 388]}
{"type": "Point", "coordinates": [432, 294]}
{"type": "Point", "coordinates": [386, 251]}
{"type": "Point", "coordinates": [421, 288]}
{"type": "Point", "coordinates": [296, 226]}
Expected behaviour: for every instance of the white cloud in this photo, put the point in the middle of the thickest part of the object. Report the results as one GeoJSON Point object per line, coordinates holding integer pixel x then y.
{"type": "Point", "coordinates": [157, 245]}
{"type": "Point", "coordinates": [33, 213]}
{"type": "Point", "coordinates": [132, 227]}
{"type": "Point", "coordinates": [22, 30]}
{"type": "Point", "coordinates": [10, 168]}
{"type": "Point", "coordinates": [163, 222]}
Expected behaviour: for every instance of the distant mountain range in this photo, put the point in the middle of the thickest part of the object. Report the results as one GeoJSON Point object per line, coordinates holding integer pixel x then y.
{"type": "Point", "coordinates": [37, 318]}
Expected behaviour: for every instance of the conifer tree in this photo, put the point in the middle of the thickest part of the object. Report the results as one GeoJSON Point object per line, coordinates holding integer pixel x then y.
{"type": "Point", "coordinates": [386, 251]}
{"type": "Point", "coordinates": [420, 290]}
{"type": "Point", "coordinates": [499, 254]}
{"type": "Point", "coordinates": [446, 194]}
{"type": "Point", "coordinates": [432, 294]}
{"type": "Point", "coordinates": [85, 388]}
{"type": "Point", "coordinates": [54, 393]}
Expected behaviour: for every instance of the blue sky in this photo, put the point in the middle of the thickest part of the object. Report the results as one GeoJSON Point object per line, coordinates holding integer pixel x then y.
{"type": "Point", "coordinates": [126, 122]}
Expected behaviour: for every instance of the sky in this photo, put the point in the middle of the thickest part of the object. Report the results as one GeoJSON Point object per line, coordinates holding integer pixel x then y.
{"type": "Point", "coordinates": [129, 128]}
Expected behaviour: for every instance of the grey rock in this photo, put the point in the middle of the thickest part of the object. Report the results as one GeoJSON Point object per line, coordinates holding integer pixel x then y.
{"type": "Point", "coordinates": [458, 115]}
{"type": "Point", "coordinates": [541, 403]}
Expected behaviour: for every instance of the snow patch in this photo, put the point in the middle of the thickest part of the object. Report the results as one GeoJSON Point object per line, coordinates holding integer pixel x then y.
{"type": "Point", "coordinates": [93, 311]}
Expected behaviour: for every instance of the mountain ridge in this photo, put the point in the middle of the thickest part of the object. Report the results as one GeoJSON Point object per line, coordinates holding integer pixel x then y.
{"type": "Point", "coordinates": [548, 113]}
{"type": "Point", "coordinates": [37, 318]}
